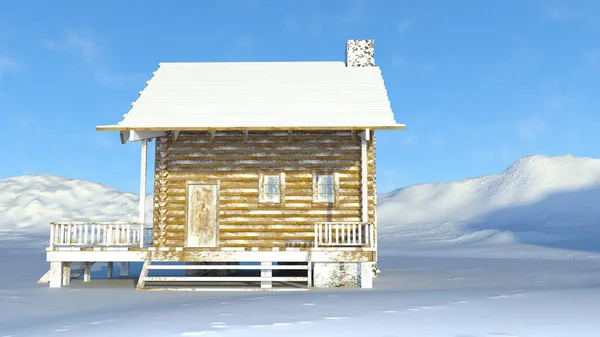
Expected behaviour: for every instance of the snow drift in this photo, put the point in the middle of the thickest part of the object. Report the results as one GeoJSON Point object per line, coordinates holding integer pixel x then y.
{"type": "Point", "coordinates": [538, 199]}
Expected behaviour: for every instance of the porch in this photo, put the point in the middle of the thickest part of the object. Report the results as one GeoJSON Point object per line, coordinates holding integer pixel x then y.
{"type": "Point", "coordinates": [99, 236]}
{"type": "Point", "coordinates": [87, 243]}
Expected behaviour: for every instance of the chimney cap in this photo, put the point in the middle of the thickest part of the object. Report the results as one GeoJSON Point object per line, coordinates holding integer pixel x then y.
{"type": "Point", "coordinates": [360, 53]}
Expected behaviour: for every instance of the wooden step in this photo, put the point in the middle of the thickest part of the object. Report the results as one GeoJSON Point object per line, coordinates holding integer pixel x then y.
{"type": "Point", "coordinates": [222, 289]}
{"type": "Point", "coordinates": [223, 279]}
{"type": "Point", "coordinates": [222, 283]}
{"type": "Point", "coordinates": [220, 267]}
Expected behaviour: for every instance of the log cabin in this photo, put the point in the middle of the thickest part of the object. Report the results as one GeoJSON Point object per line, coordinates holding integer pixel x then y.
{"type": "Point", "coordinates": [264, 179]}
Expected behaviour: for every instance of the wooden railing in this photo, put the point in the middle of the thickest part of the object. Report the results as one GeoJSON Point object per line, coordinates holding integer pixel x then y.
{"type": "Point", "coordinates": [99, 234]}
{"type": "Point", "coordinates": [344, 234]}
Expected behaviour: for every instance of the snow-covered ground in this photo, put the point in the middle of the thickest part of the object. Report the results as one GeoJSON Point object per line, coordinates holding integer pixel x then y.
{"type": "Point", "coordinates": [513, 254]}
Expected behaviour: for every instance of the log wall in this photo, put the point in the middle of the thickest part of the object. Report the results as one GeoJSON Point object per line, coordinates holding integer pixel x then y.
{"type": "Point", "coordinates": [235, 162]}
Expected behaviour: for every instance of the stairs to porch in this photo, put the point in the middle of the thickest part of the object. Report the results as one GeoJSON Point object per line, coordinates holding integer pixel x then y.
{"type": "Point", "coordinates": [223, 276]}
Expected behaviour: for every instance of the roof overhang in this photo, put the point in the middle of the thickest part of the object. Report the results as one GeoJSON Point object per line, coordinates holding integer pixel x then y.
{"type": "Point", "coordinates": [249, 128]}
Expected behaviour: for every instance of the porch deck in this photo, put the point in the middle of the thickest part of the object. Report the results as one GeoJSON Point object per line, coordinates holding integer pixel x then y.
{"type": "Point", "coordinates": [88, 243]}
{"type": "Point", "coordinates": [132, 242]}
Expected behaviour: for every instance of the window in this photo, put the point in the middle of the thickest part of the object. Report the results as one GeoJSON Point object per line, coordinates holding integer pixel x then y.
{"type": "Point", "coordinates": [270, 188]}
{"type": "Point", "coordinates": [324, 186]}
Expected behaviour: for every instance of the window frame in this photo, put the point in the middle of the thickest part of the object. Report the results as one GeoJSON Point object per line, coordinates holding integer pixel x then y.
{"type": "Point", "coordinates": [335, 188]}
{"type": "Point", "coordinates": [261, 188]}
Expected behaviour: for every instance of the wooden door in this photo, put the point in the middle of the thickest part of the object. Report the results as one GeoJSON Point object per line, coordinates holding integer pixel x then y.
{"type": "Point", "coordinates": [202, 208]}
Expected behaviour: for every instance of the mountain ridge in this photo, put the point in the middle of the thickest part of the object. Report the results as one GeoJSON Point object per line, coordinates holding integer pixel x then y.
{"type": "Point", "coordinates": [535, 198]}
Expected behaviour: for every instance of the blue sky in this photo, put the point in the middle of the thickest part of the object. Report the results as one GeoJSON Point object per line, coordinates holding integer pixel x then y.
{"type": "Point", "coordinates": [480, 84]}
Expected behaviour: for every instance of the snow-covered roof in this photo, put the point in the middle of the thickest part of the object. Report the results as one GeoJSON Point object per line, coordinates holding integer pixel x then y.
{"type": "Point", "coordinates": [254, 95]}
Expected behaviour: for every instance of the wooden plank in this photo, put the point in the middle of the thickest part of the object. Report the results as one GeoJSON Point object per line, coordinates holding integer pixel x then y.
{"type": "Point", "coordinates": [267, 236]}
{"type": "Point", "coordinates": [224, 147]}
{"type": "Point", "coordinates": [259, 228]}
{"type": "Point", "coordinates": [271, 155]}
{"type": "Point", "coordinates": [224, 279]}
{"type": "Point", "coordinates": [233, 266]}
{"type": "Point", "coordinates": [224, 289]}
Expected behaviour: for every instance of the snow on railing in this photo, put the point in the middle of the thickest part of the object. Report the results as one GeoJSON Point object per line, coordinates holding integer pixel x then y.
{"type": "Point", "coordinates": [340, 234]}
{"type": "Point", "coordinates": [99, 234]}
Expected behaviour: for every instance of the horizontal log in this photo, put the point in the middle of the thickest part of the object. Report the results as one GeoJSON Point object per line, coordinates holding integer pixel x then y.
{"type": "Point", "coordinates": [288, 219]}
{"type": "Point", "coordinates": [174, 243]}
{"type": "Point", "coordinates": [263, 141]}
{"type": "Point", "coordinates": [295, 174]}
{"type": "Point", "coordinates": [179, 186]}
{"type": "Point", "coordinates": [260, 165]}
{"type": "Point", "coordinates": [343, 191]}
{"type": "Point", "coordinates": [179, 233]}
{"type": "Point", "coordinates": [272, 210]}
{"type": "Point", "coordinates": [266, 133]}
{"type": "Point", "coordinates": [266, 243]}
{"type": "Point", "coordinates": [283, 150]}
{"type": "Point", "coordinates": [352, 197]}
{"type": "Point", "coordinates": [289, 213]}
{"type": "Point", "coordinates": [271, 221]}
{"type": "Point", "coordinates": [266, 236]}
{"type": "Point", "coordinates": [175, 236]}
{"type": "Point", "coordinates": [291, 204]}
{"type": "Point", "coordinates": [277, 155]}
{"type": "Point", "coordinates": [236, 176]}
{"type": "Point", "coordinates": [260, 228]}
{"type": "Point", "coordinates": [281, 133]}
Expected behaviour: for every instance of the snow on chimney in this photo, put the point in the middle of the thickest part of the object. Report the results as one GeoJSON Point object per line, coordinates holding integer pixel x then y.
{"type": "Point", "coordinates": [360, 53]}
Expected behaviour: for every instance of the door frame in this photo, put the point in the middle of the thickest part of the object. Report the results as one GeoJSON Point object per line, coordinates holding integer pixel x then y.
{"type": "Point", "coordinates": [187, 188]}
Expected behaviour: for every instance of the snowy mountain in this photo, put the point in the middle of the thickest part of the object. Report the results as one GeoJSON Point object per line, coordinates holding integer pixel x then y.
{"type": "Point", "coordinates": [31, 202]}
{"type": "Point", "coordinates": [538, 199]}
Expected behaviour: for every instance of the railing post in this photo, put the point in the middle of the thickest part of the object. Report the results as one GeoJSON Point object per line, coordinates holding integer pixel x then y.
{"type": "Point", "coordinates": [108, 231]}
{"type": "Point", "coordinates": [321, 233]}
{"type": "Point", "coordinates": [85, 234]}
{"type": "Point", "coordinates": [92, 234]}
{"type": "Point", "coordinates": [52, 228]}
{"type": "Point", "coordinates": [360, 240]}
{"type": "Point", "coordinates": [141, 235]}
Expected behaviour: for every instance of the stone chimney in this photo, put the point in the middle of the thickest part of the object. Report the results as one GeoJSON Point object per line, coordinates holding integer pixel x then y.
{"type": "Point", "coordinates": [360, 53]}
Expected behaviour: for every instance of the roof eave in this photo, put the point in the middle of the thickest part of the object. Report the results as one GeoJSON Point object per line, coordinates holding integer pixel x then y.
{"type": "Point", "coordinates": [248, 128]}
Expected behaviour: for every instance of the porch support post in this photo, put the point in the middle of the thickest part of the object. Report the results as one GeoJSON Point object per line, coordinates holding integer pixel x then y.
{"type": "Point", "coordinates": [55, 274]}
{"type": "Point", "coordinates": [66, 273]}
{"type": "Point", "coordinates": [143, 180]}
{"type": "Point", "coordinates": [87, 271]}
{"type": "Point", "coordinates": [143, 173]}
{"type": "Point", "coordinates": [266, 273]}
{"type": "Point", "coordinates": [110, 270]}
{"type": "Point", "coordinates": [124, 268]}
{"type": "Point", "coordinates": [366, 275]}
{"type": "Point", "coordinates": [364, 137]}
